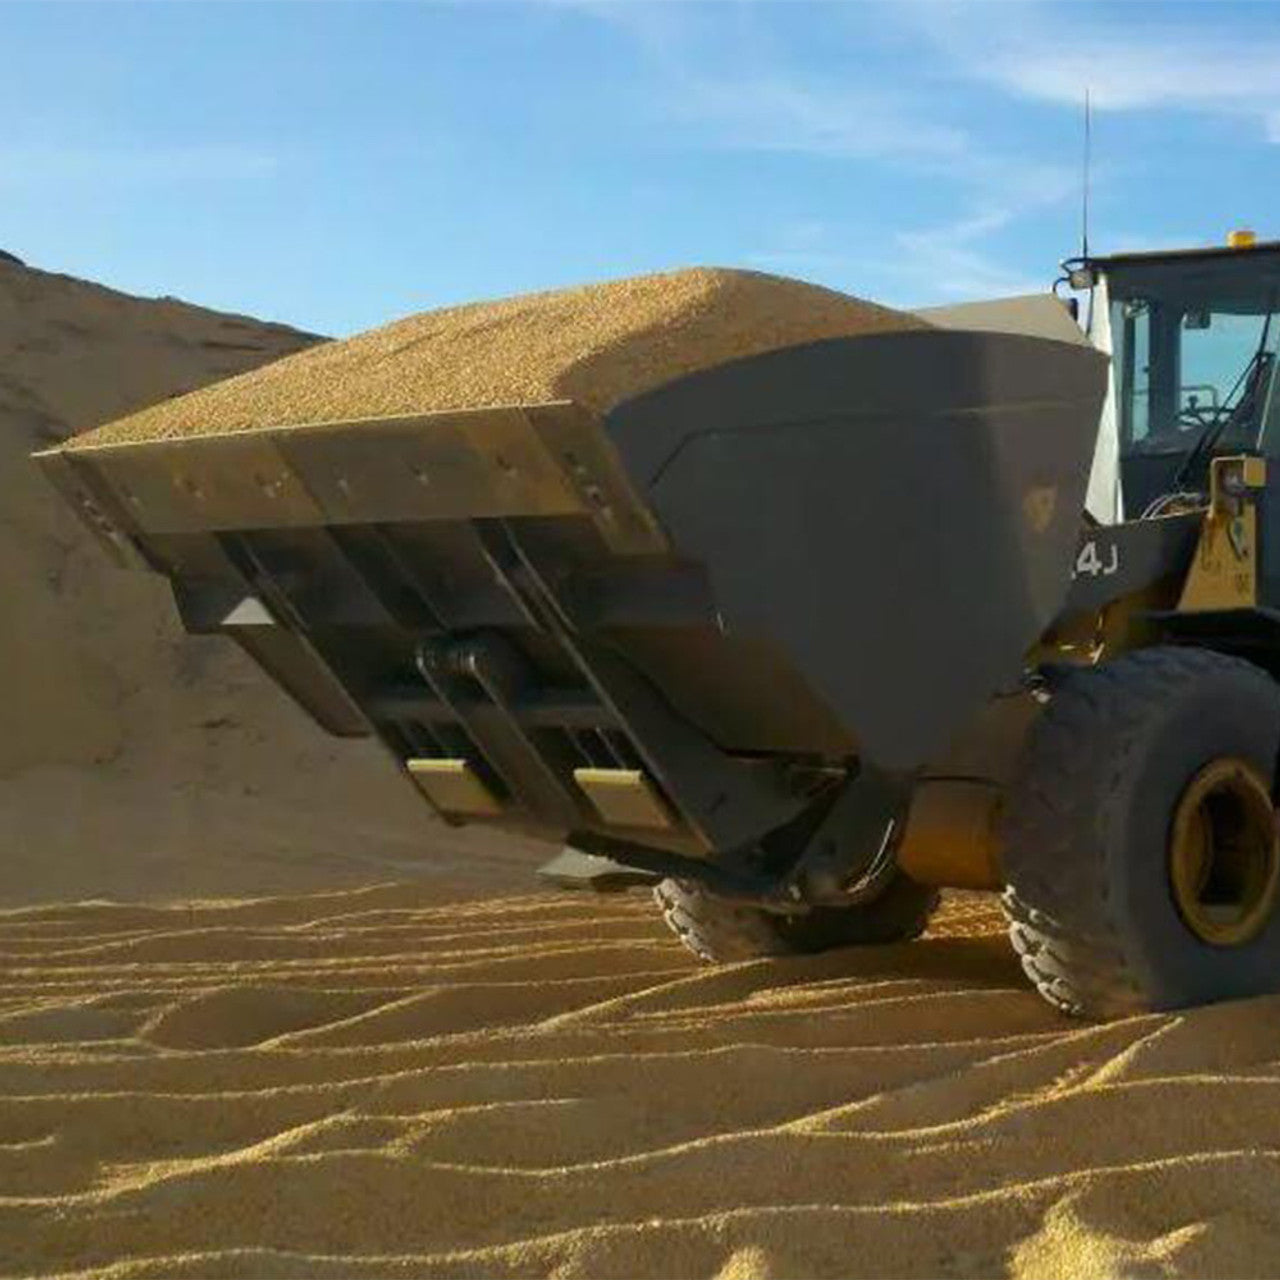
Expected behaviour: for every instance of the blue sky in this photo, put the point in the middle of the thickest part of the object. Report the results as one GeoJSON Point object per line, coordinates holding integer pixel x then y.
{"type": "Point", "coordinates": [335, 164]}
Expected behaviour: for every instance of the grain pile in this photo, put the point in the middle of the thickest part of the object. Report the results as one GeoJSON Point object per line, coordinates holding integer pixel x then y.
{"type": "Point", "coordinates": [376, 1084]}
{"type": "Point", "coordinates": [135, 759]}
{"type": "Point", "coordinates": [595, 345]}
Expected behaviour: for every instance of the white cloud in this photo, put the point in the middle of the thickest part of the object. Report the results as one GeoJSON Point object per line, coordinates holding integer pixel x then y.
{"type": "Point", "coordinates": [771, 111]}
{"type": "Point", "coordinates": [726, 84]}
{"type": "Point", "coordinates": [1130, 71]}
{"type": "Point", "coordinates": [723, 82]}
{"type": "Point", "coordinates": [948, 264]}
{"type": "Point", "coordinates": [1050, 52]}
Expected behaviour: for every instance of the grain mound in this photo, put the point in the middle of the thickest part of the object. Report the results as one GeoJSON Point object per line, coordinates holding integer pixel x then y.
{"type": "Point", "coordinates": [596, 345]}
{"type": "Point", "coordinates": [139, 761]}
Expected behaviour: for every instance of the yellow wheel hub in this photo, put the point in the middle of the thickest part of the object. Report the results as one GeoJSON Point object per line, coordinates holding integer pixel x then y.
{"type": "Point", "coordinates": [1224, 854]}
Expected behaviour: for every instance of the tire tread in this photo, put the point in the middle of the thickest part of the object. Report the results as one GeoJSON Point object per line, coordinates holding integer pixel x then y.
{"type": "Point", "coordinates": [1062, 923]}
{"type": "Point", "coordinates": [719, 930]}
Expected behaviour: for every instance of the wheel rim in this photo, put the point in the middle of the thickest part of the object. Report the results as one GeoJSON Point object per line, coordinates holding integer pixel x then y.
{"type": "Point", "coordinates": [1224, 854]}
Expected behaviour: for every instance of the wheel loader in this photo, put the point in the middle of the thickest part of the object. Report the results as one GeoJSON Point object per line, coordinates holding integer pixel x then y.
{"type": "Point", "coordinates": [796, 639]}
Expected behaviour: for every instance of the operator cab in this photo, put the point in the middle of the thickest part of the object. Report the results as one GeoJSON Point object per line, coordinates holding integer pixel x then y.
{"type": "Point", "coordinates": [1194, 336]}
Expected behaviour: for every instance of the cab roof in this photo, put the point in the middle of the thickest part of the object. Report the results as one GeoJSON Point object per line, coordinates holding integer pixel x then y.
{"type": "Point", "coordinates": [1260, 249]}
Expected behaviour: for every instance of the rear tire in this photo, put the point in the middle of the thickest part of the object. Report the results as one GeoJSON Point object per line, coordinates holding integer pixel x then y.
{"type": "Point", "coordinates": [1126, 760]}
{"type": "Point", "coordinates": [719, 930]}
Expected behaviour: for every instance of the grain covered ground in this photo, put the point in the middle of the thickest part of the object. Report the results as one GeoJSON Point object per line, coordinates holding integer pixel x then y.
{"type": "Point", "coordinates": [379, 1083]}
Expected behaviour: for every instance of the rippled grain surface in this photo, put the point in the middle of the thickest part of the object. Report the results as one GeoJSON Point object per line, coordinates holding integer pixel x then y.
{"type": "Point", "coordinates": [381, 1083]}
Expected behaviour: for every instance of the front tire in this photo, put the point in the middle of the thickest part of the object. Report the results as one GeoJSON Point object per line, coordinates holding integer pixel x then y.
{"type": "Point", "coordinates": [1141, 849]}
{"type": "Point", "coordinates": [720, 931]}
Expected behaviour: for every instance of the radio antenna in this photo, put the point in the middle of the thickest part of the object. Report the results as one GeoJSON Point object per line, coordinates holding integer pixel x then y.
{"type": "Point", "coordinates": [1084, 207]}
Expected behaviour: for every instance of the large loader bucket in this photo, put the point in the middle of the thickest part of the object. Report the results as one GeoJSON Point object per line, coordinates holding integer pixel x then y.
{"type": "Point", "coordinates": [666, 622]}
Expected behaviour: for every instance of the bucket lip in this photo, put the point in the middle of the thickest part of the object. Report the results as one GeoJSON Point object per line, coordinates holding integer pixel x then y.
{"type": "Point", "coordinates": [546, 459]}
{"type": "Point", "coordinates": [196, 439]}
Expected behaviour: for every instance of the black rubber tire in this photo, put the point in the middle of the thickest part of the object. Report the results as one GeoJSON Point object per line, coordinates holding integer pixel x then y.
{"type": "Point", "coordinates": [1090, 909]}
{"type": "Point", "coordinates": [721, 931]}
